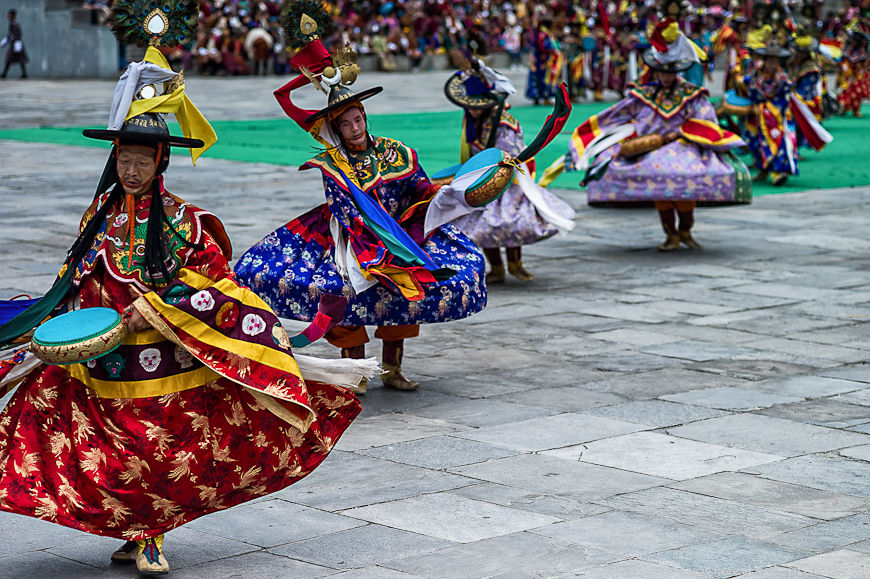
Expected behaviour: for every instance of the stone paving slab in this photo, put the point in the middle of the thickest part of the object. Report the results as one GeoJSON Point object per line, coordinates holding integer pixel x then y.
{"type": "Point", "coordinates": [857, 372]}
{"type": "Point", "coordinates": [726, 557]}
{"type": "Point", "coordinates": [519, 553]}
{"type": "Point", "coordinates": [822, 412]}
{"type": "Point", "coordinates": [810, 386]}
{"type": "Point", "coordinates": [770, 435]}
{"type": "Point", "coordinates": [635, 568]}
{"type": "Point", "coordinates": [751, 369]}
{"type": "Point", "coordinates": [656, 413]}
{"type": "Point", "coordinates": [545, 503]}
{"type": "Point", "coordinates": [821, 472]}
{"type": "Point", "coordinates": [731, 398]}
{"type": "Point", "coordinates": [755, 490]}
{"type": "Point", "coordinates": [354, 548]}
{"type": "Point", "coordinates": [435, 515]}
{"type": "Point", "coordinates": [271, 528]}
{"type": "Point", "coordinates": [857, 452]}
{"type": "Point", "coordinates": [550, 431]}
{"type": "Point", "coordinates": [778, 572]}
{"type": "Point", "coordinates": [713, 514]}
{"type": "Point", "coordinates": [607, 531]}
{"type": "Point", "coordinates": [361, 480]}
{"type": "Point", "coordinates": [843, 564]}
{"type": "Point", "coordinates": [391, 429]}
{"type": "Point", "coordinates": [559, 477]}
{"type": "Point", "coordinates": [440, 452]}
{"type": "Point", "coordinates": [827, 535]}
{"type": "Point", "coordinates": [252, 564]}
{"type": "Point", "coordinates": [663, 456]}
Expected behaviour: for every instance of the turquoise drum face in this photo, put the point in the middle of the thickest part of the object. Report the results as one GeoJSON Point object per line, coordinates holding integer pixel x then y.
{"type": "Point", "coordinates": [76, 326]}
{"type": "Point", "coordinates": [484, 158]}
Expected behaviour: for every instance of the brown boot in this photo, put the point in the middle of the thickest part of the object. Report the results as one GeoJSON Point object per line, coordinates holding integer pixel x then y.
{"type": "Point", "coordinates": [392, 365]}
{"type": "Point", "coordinates": [689, 241]}
{"type": "Point", "coordinates": [356, 353]}
{"type": "Point", "coordinates": [672, 243]}
{"type": "Point", "coordinates": [496, 266]}
{"type": "Point", "coordinates": [496, 275]}
{"type": "Point", "coordinates": [669, 224]}
{"type": "Point", "coordinates": [516, 269]}
{"type": "Point", "coordinates": [126, 553]}
{"type": "Point", "coordinates": [515, 264]}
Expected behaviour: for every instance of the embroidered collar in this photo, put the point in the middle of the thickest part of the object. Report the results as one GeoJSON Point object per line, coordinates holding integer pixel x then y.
{"type": "Point", "coordinates": [667, 103]}
{"type": "Point", "coordinates": [112, 244]}
{"type": "Point", "coordinates": [387, 160]}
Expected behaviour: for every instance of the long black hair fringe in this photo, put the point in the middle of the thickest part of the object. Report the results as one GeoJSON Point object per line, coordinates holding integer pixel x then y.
{"type": "Point", "coordinates": [85, 240]}
{"type": "Point", "coordinates": [156, 250]}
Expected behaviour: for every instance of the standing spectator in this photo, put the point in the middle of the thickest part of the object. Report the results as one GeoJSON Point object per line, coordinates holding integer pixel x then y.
{"type": "Point", "coordinates": [233, 52]}
{"type": "Point", "coordinates": [15, 54]}
{"type": "Point", "coordinates": [258, 44]}
{"type": "Point", "coordinates": [513, 41]}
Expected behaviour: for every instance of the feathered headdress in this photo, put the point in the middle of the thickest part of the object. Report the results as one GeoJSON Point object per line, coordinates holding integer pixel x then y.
{"type": "Point", "coordinates": [151, 86]}
{"type": "Point", "coordinates": [154, 22]}
{"type": "Point", "coordinates": [304, 21]}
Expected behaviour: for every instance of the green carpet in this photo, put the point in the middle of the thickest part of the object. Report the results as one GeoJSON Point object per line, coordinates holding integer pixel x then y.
{"type": "Point", "coordinates": [843, 163]}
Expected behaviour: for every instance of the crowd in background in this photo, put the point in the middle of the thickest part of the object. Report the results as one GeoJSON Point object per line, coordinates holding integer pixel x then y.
{"type": "Point", "coordinates": [241, 37]}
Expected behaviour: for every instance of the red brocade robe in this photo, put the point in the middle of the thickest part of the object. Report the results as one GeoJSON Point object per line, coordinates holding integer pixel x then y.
{"type": "Point", "coordinates": [202, 412]}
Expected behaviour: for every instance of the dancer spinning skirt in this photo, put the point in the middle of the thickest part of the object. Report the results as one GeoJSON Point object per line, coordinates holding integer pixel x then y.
{"type": "Point", "coordinates": [203, 405]}
{"type": "Point", "coordinates": [370, 242]}
{"type": "Point", "coordinates": [660, 145]}
{"type": "Point", "coordinates": [769, 131]}
{"type": "Point", "coordinates": [525, 213]}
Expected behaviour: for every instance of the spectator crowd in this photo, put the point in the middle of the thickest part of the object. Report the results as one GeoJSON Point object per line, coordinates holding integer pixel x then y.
{"type": "Point", "coordinates": [241, 37]}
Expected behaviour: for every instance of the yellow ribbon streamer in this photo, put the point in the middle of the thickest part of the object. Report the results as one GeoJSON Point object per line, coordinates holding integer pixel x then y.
{"type": "Point", "coordinates": [193, 124]}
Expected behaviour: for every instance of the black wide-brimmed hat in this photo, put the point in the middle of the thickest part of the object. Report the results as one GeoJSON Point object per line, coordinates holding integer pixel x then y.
{"type": "Point", "coordinates": [676, 66]}
{"type": "Point", "coordinates": [471, 92]}
{"type": "Point", "coordinates": [147, 128]}
{"type": "Point", "coordinates": [339, 96]}
{"type": "Point", "coordinates": [772, 50]}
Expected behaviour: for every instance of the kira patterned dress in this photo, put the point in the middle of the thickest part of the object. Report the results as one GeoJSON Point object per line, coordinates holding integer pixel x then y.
{"type": "Point", "coordinates": [701, 170]}
{"type": "Point", "coordinates": [769, 130]}
{"type": "Point", "coordinates": [292, 267]}
{"type": "Point", "coordinates": [511, 220]}
{"type": "Point", "coordinates": [204, 411]}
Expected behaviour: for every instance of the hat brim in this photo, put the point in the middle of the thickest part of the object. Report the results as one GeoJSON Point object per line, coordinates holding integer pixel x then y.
{"type": "Point", "coordinates": [110, 135]}
{"type": "Point", "coordinates": [772, 51]}
{"type": "Point", "coordinates": [677, 66]}
{"type": "Point", "coordinates": [454, 90]}
{"type": "Point", "coordinates": [357, 97]}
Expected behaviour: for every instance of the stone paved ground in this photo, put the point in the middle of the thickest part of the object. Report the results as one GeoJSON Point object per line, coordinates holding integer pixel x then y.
{"type": "Point", "coordinates": [628, 414]}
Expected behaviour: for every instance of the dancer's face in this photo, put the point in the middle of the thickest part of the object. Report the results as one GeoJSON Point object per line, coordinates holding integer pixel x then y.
{"type": "Point", "coordinates": [475, 113]}
{"type": "Point", "coordinates": [137, 168]}
{"type": "Point", "coordinates": [771, 64]}
{"type": "Point", "coordinates": [352, 126]}
{"type": "Point", "coordinates": [667, 78]}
